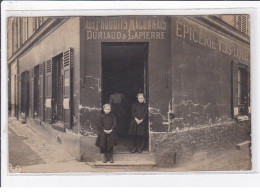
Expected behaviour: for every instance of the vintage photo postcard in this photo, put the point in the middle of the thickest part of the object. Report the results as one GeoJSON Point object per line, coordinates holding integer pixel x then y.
{"type": "Point", "coordinates": [129, 93]}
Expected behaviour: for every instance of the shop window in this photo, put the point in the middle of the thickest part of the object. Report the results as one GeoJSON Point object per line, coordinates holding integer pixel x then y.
{"type": "Point", "coordinates": [240, 90]}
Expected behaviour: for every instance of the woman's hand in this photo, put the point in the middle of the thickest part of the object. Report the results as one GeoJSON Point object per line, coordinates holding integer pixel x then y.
{"type": "Point", "coordinates": [138, 121]}
{"type": "Point", "coordinates": [108, 131]}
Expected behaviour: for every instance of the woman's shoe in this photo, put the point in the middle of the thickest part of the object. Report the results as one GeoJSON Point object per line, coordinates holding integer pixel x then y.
{"type": "Point", "coordinates": [111, 158]}
{"type": "Point", "coordinates": [105, 159]}
{"type": "Point", "coordinates": [133, 150]}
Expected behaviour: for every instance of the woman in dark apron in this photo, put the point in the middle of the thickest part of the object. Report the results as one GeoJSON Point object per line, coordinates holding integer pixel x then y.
{"type": "Point", "coordinates": [118, 103]}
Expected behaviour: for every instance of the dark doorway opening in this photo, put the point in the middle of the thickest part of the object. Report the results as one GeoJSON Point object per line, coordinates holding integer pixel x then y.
{"type": "Point", "coordinates": [124, 70]}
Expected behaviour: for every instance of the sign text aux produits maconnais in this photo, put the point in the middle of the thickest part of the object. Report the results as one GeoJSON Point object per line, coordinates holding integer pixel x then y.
{"type": "Point", "coordinates": [126, 28]}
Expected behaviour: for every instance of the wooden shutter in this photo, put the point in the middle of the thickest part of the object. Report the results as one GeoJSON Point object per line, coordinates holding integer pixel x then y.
{"type": "Point", "coordinates": [42, 92]}
{"type": "Point", "coordinates": [32, 93]}
{"type": "Point", "coordinates": [48, 91]}
{"type": "Point", "coordinates": [19, 95]}
{"type": "Point", "coordinates": [67, 88]}
{"type": "Point", "coordinates": [249, 91]}
{"type": "Point", "coordinates": [25, 102]}
{"type": "Point", "coordinates": [234, 88]}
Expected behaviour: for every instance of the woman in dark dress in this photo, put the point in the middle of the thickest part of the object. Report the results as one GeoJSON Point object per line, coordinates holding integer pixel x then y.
{"type": "Point", "coordinates": [107, 135]}
{"type": "Point", "coordinates": [118, 104]}
{"type": "Point", "coordinates": [138, 125]}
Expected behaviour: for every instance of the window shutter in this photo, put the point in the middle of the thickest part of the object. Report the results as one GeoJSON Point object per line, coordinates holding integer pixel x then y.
{"type": "Point", "coordinates": [25, 27]}
{"type": "Point", "coordinates": [42, 92]}
{"type": "Point", "coordinates": [20, 31]}
{"type": "Point", "coordinates": [19, 95]}
{"type": "Point", "coordinates": [242, 23]}
{"type": "Point", "coordinates": [25, 102]}
{"type": "Point", "coordinates": [249, 92]}
{"type": "Point", "coordinates": [238, 22]}
{"type": "Point", "coordinates": [234, 87]}
{"type": "Point", "coordinates": [67, 87]}
{"type": "Point", "coordinates": [32, 93]}
{"type": "Point", "coordinates": [48, 91]}
{"type": "Point", "coordinates": [34, 24]}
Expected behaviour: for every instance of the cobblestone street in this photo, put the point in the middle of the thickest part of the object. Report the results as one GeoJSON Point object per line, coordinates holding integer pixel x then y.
{"type": "Point", "coordinates": [32, 153]}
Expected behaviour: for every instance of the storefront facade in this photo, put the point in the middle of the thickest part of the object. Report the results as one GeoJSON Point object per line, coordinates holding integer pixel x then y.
{"type": "Point", "coordinates": [194, 72]}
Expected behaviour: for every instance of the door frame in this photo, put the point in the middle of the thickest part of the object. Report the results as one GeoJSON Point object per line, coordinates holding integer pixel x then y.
{"type": "Point", "coordinates": [146, 74]}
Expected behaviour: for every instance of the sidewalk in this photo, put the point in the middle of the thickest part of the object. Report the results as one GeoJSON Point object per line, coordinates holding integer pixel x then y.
{"type": "Point", "coordinates": [32, 153]}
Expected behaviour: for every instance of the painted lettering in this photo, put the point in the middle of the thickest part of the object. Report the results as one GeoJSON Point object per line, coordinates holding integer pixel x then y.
{"type": "Point", "coordinates": [162, 35]}
{"type": "Point", "coordinates": [152, 35]}
{"type": "Point", "coordinates": [194, 35]}
{"type": "Point", "coordinates": [201, 39]}
{"type": "Point", "coordinates": [116, 28]}
{"type": "Point", "coordinates": [185, 31]}
{"type": "Point", "coordinates": [208, 42]}
{"type": "Point", "coordinates": [213, 44]}
{"type": "Point", "coordinates": [178, 29]}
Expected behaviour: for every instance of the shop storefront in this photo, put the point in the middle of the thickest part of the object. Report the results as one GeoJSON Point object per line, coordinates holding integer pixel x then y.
{"type": "Point", "coordinates": [193, 71]}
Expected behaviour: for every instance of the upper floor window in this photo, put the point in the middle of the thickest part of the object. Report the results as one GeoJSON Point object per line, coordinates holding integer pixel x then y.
{"type": "Point", "coordinates": [242, 23]}
{"type": "Point", "coordinates": [14, 36]}
{"type": "Point", "coordinates": [24, 31]}
{"type": "Point", "coordinates": [38, 21]}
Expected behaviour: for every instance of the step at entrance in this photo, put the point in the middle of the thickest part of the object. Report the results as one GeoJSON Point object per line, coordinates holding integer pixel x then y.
{"type": "Point", "coordinates": [127, 159]}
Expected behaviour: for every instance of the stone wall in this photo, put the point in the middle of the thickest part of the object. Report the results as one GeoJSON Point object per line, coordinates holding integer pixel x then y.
{"type": "Point", "coordinates": [185, 144]}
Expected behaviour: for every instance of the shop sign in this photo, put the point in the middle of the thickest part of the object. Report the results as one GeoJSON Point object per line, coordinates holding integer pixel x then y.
{"type": "Point", "coordinates": [204, 38]}
{"type": "Point", "coordinates": [121, 28]}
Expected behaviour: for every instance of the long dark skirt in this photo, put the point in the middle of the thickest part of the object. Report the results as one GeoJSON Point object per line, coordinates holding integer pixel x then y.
{"type": "Point", "coordinates": [121, 118]}
{"type": "Point", "coordinates": [135, 129]}
{"type": "Point", "coordinates": [106, 140]}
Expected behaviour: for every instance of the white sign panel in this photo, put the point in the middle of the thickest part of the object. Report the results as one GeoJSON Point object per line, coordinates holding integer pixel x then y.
{"type": "Point", "coordinates": [48, 103]}
{"type": "Point", "coordinates": [236, 111]}
{"type": "Point", "coordinates": [66, 103]}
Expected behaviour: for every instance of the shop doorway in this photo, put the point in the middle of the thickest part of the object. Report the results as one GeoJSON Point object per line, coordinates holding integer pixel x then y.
{"type": "Point", "coordinates": [124, 70]}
